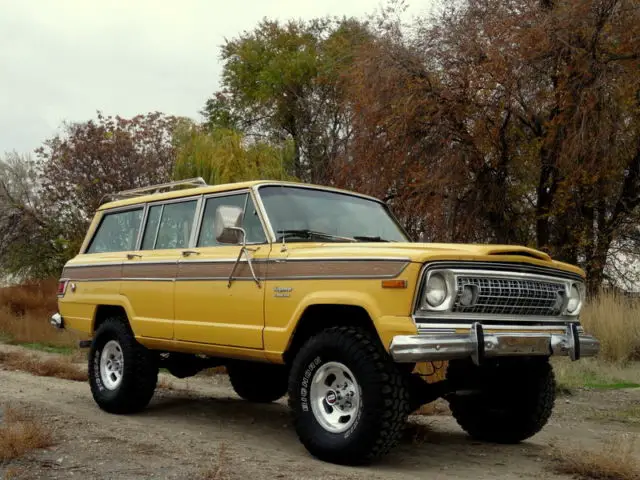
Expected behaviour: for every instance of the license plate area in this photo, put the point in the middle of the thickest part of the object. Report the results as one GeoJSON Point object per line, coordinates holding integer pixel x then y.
{"type": "Point", "coordinates": [517, 345]}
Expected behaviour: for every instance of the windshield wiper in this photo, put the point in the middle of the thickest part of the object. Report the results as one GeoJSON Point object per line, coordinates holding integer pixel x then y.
{"type": "Point", "coordinates": [364, 238]}
{"type": "Point", "coordinates": [308, 234]}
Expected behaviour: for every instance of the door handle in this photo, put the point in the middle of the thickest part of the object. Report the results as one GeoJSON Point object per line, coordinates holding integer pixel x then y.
{"type": "Point", "coordinates": [131, 256]}
{"type": "Point", "coordinates": [186, 253]}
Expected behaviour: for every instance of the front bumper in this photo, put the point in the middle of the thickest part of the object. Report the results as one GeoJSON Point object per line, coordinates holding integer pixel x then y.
{"type": "Point", "coordinates": [477, 345]}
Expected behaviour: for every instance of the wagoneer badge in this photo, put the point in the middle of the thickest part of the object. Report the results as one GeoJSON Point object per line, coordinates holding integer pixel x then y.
{"type": "Point", "coordinates": [282, 291]}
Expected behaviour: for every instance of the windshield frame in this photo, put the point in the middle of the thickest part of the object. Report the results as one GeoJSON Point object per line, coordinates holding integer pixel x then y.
{"type": "Point", "coordinates": [267, 221]}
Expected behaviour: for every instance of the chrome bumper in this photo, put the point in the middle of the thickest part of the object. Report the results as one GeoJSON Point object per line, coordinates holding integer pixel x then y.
{"type": "Point", "coordinates": [56, 320]}
{"type": "Point", "coordinates": [479, 345]}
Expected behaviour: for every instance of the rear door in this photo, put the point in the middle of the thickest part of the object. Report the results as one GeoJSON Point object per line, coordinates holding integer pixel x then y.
{"type": "Point", "coordinates": [148, 273]}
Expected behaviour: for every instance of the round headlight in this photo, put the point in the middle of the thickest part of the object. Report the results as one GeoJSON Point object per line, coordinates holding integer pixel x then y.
{"type": "Point", "coordinates": [436, 290]}
{"type": "Point", "coordinates": [574, 300]}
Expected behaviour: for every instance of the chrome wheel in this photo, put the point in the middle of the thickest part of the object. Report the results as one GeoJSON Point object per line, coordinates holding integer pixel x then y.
{"type": "Point", "coordinates": [111, 365]}
{"type": "Point", "coordinates": [335, 397]}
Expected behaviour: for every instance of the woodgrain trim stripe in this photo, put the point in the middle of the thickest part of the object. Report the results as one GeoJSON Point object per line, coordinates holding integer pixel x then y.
{"type": "Point", "coordinates": [214, 270]}
{"type": "Point", "coordinates": [336, 269]}
{"type": "Point", "coordinates": [106, 272]}
{"type": "Point", "coordinates": [151, 270]}
{"type": "Point", "coordinates": [218, 270]}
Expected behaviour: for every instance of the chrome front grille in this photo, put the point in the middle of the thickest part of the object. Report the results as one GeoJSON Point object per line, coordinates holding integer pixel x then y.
{"type": "Point", "coordinates": [508, 296]}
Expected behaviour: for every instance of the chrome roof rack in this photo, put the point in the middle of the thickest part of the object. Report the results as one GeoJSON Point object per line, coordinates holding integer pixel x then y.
{"type": "Point", "coordinates": [136, 192]}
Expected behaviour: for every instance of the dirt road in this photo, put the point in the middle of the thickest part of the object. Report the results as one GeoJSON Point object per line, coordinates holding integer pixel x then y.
{"type": "Point", "coordinates": [201, 425]}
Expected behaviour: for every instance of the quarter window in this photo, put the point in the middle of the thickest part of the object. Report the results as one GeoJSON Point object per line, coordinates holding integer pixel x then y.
{"type": "Point", "coordinates": [250, 221]}
{"type": "Point", "coordinates": [117, 232]}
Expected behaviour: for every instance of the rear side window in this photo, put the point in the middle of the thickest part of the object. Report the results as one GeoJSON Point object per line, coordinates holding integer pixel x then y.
{"type": "Point", "coordinates": [169, 225]}
{"type": "Point", "coordinates": [117, 232]}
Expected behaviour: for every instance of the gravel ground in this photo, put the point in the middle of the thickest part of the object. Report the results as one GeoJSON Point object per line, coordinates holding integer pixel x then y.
{"type": "Point", "coordinates": [200, 426]}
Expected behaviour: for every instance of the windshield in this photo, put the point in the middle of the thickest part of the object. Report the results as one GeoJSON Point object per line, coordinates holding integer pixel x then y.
{"type": "Point", "coordinates": [305, 214]}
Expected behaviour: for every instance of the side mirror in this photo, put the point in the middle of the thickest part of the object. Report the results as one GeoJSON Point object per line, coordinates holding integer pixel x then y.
{"type": "Point", "coordinates": [227, 225]}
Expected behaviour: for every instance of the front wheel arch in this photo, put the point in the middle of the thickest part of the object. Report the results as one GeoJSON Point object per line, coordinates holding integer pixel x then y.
{"type": "Point", "coordinates": [319, 317]}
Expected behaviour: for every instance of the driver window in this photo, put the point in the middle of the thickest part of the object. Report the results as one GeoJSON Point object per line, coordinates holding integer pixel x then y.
{"type": "Point", "coordinates": [250, 222]}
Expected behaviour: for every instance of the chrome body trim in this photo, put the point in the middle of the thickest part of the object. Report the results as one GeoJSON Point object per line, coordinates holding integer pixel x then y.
{"type": "Point", "coordinates": [233, 259]}
{"type": "Point", "coordinates": [429, 328]}
{"type": "Point", "coordinates": [271, 236]}
{"type": "Point", "coordinates": [195, 227]}
{"type": "Point", "coordinates": [452, 317]}
{"type": "Point", "coordinates": [143, 225]}
{"type": "Point", "coordinates": [478, 344]}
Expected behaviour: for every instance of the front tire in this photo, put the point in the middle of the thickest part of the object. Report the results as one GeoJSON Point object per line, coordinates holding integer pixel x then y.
{"type": "Point", "coordinates": [122, 373]}
{"type": "Point", "coordinates": [349, 400]}
{"type": "Point", "coordinates": [512, 400]}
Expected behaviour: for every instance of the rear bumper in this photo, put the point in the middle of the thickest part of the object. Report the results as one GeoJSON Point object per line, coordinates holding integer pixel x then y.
{"type": "Point", "coordinates": [57, 321]}
{"type": "Point", "coordinates": [477, 345]}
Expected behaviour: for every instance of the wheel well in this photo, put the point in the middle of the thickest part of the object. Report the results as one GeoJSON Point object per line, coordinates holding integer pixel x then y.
{"type": "Point", "coordinates": [320, 317]}
{"type": "Point", "coordinates": [107, 311]}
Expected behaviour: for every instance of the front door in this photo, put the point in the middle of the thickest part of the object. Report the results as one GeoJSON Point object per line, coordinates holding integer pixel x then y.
{"type": "Point", "coordinates": [211, 307]}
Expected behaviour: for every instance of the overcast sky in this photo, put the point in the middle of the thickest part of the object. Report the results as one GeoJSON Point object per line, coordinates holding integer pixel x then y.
{"type": "Point", "coordinates": [64, 59]}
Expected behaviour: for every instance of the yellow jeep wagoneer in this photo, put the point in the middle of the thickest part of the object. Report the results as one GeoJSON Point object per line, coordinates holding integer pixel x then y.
{"type": "Point", "coordinates": [318, 293]}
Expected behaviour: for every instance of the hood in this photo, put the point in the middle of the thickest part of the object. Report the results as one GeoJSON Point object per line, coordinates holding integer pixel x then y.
{"type": "Point", "coordinates": [425, 252]}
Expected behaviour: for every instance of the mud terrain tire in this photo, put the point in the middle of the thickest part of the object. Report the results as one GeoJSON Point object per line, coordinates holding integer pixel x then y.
{"type": "Point", "coordinates": [514, 401]}
{"type": "Point", "coordinates": [382, 409]}
{"type": "Point", "coordinates": [128, 386]}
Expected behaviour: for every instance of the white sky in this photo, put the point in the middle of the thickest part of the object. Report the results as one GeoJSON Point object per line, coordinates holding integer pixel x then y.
{"type": "Point", "coordinates": [64, 59]}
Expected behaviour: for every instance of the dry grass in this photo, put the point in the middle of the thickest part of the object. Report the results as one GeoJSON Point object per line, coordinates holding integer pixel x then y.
{"type": "Point", "coordinates": [25, 312]}
{"type": "Point", "coordinates": [615, 461]}
{"type": "Point", "coordinates": [20, 433]}
{"type": "Point", "coordinates": [615, 321]}
{"type": "Point", "coordinates": [30, 297]}
{"type": "Point", "coordinates": [54, 366]}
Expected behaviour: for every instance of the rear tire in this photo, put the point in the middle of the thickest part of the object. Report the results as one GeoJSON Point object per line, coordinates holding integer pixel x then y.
{"type": "Point", "coordinates": [349, 400]}
{"type": "Point", "coordinates": [258, 382]}
{"type": "Point", "coordinates": [122, 373]}
{"type": "Point", "coordinates": [513, 401]}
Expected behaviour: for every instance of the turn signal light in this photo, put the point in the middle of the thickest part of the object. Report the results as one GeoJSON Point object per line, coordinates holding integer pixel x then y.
{"type": "Point", "coordinates": [394, 284]}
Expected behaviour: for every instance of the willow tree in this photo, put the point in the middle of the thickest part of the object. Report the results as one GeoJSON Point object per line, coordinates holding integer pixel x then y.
{"type": "Point", "coordinates": [224, 155]}
{"type": "Point", "coordinates": [284, 82]}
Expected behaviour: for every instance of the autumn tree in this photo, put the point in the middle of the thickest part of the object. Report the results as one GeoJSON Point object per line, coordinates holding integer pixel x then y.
{"type": "Point", "coordinates": [91, 159]}
{"type": "Point", "coordinates": [512, 122]}
{"type": "Point", "coordinates": [283, 82]}
{"type": "Point", "coordinates": [223, 155]}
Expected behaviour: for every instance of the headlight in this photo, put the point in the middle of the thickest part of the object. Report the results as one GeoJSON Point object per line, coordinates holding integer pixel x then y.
{"type": "Point", "coordinates": [574, 299]}
{"type": "Point", "coordinates": [436, 290]}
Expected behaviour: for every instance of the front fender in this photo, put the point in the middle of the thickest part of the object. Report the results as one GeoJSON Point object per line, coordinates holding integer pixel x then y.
{"type": "Point", "coordinates": [388, 319]}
